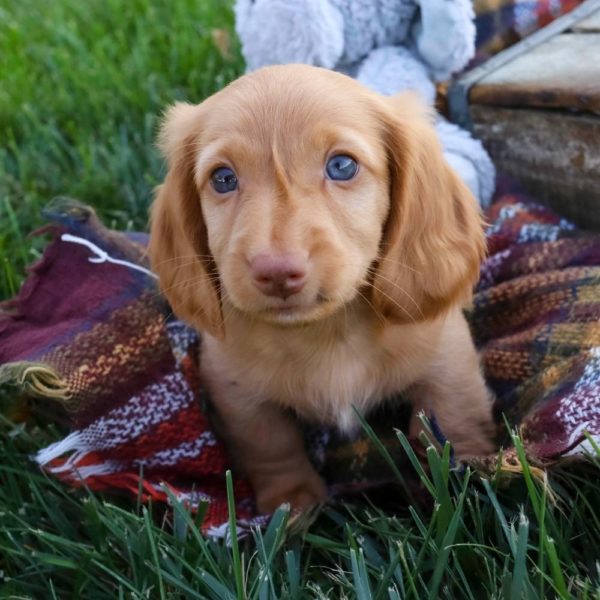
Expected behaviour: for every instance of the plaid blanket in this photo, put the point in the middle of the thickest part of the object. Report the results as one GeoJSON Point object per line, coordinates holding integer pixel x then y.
{"type": "Point", "coordinates": [502, 23]}
{"type": "Point", "coordinates": [89, 333]}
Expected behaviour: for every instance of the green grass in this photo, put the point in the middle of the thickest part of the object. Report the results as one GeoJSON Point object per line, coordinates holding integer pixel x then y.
{"type": "Point", "coordinates": [497, 538]}
{"type": "Point", "coordinates": [82, 85]}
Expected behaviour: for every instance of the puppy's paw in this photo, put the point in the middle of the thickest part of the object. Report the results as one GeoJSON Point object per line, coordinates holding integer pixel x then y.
{"type": "Point", "coordinates": [470, 438]}
{"type": "Point", "coordinates": [299, 490]}
{"type": "Point", "coordinates": [477, 441]}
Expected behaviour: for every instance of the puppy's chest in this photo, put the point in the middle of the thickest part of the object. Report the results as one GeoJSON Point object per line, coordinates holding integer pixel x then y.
{"type": "Point", "coordinates": [325, 379]}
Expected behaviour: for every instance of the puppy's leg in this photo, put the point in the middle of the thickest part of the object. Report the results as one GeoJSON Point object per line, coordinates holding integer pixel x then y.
{"type": "Point", "coordinates": [464, 417]}
{"type": "Point", "coordinates": [454, 392]}
{"type": "Point", "coordinates": [267, 446]}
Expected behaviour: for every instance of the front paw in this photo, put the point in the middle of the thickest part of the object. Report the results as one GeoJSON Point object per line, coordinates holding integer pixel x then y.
{"type": "Point", "coordinates": [300, 490]}
{"type": "Point", "coordinates": [477, 440]}
{"type": "Point", "coordinates": [472, 437]}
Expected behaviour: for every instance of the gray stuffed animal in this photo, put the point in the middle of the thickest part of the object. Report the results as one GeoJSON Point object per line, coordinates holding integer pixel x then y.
{"type": "Point", "coordinates": [389, 45]}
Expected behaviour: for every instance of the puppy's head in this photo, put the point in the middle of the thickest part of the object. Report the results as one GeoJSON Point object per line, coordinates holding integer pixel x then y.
{"type": "Point", "coordinates": [294, 190]}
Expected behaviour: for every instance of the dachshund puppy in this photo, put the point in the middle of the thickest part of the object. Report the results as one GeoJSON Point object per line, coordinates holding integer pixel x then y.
{"type": "Point", "coordinates": [313, 232]}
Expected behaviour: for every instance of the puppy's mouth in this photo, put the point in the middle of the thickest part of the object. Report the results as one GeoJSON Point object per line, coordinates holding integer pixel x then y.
{"type": "Point", "coordinates": [296, 313]}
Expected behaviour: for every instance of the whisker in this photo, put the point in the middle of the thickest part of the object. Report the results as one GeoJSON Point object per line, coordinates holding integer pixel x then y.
{"type": "Point", "coordinates": [228, 314]}
{"type": "Point", "coordinates": [400, 264]}
{"type": "Point", "coordinates": [379, 315]}
{"type": "Point", "coordinates": [183, 266]}
{"type": "Point", "coordinates": [394, 302]}
{"type": "Point", "coordinates": [197, 311]}
{"type": "Point", "coordinates": [170, 314]}
{"type": "Point", "coordinates": [184, 256]}
{"type": "Point", "coordinates": [190, 282]}
{"type": "Point", "coordinates": [403, 291]}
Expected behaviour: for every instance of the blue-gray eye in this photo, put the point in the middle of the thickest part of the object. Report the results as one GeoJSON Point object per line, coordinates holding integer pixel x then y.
{"type": "Point", "coordinates": [341, 167]}
{"type": "Point", "coordinates": [223, 180]}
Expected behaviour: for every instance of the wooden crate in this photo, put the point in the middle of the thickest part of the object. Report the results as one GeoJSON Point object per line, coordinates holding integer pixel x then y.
{"type": "Point", "coordinates": [536, 108]}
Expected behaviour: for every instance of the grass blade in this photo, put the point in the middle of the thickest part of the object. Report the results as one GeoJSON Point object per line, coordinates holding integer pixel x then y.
{"type": "Point", "coordinates": [233, 539]}
{"type": "Point", "coordinates": [157, 568]}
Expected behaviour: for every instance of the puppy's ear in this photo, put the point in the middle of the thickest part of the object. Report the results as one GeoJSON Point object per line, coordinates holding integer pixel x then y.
{"type": "Point", "coordinates": [433, 241]}
{"type": "Point", "coordinates": [178, 247]}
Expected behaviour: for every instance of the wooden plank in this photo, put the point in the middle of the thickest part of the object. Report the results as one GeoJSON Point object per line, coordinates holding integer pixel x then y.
{"type": "Point", "coordinates": [562, 72]}
{"type": "Point", "coordinates": [458, 93]}
{"type": "Point", "coordinates": [589, 25]}
{"type": "Point", "coordinates": [554, 154]}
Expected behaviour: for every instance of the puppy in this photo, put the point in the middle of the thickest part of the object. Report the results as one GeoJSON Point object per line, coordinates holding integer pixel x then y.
{"type": "Point", "coordinates": [313, 232]}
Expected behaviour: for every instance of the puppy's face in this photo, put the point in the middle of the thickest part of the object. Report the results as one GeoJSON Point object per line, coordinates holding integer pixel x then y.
{"type": "Point", "coordinates": [296, 189]}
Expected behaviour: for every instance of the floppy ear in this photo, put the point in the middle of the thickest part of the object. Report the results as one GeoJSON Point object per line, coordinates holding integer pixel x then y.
{"type": "Point", "coordinates": [178, 247]}
{"type": "Point", "coordinates": [433, 241]}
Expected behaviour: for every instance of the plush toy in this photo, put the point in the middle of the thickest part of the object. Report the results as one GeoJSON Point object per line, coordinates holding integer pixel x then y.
{"type": "Point", "coordinates": [389, 45]}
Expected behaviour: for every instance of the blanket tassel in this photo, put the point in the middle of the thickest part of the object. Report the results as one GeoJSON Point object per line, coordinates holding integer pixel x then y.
{"type": "Point", "coordinates": [35, 380]}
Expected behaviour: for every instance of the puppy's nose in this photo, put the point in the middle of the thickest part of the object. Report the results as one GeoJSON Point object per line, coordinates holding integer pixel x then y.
{"type": "Point", "coordinates": [279, 275]}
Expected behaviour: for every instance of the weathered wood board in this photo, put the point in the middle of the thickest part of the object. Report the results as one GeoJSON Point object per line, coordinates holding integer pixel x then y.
{"type": "Point", "coordinates": [589, 25]}
{"type": "Point", "coordinates": [536, 108]}
{"type": "Point", "coordinates": [555, 155]}
{"type": "Point", "coordinates": [563, 72]}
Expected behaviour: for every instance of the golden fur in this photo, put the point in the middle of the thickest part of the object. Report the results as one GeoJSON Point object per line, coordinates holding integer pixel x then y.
{"type": "Point", "coordinates": [391, 256]}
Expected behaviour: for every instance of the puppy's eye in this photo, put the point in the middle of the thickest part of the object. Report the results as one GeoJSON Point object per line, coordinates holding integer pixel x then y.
{"type": "Point", "coordinates": [223, 180]}
{"type": "Point", "coordinates": [341, 167]}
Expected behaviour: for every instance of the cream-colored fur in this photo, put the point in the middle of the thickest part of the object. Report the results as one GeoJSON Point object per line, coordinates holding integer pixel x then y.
{"type": "Point", "coordinates": [391, 257]}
